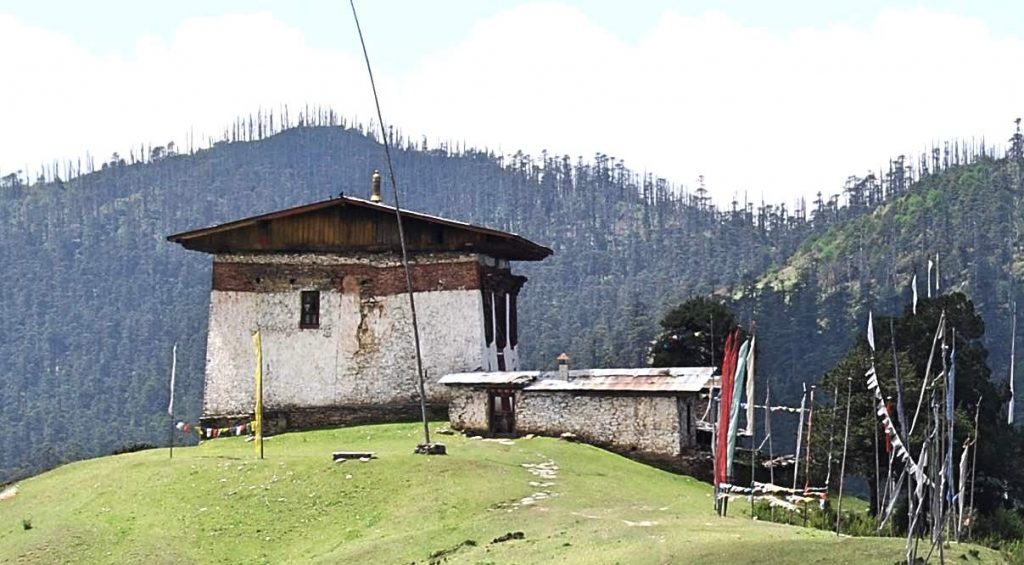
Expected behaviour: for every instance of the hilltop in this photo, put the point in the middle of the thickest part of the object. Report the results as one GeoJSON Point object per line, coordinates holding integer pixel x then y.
{"type": "Point", "coordinates": [217, 503]}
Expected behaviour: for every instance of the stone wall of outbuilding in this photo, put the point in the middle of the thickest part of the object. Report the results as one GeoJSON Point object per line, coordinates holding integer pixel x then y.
{"type": "Point", "coordinates": [467, 409]}
{"type": "Point", "coordinates": [644, 424]}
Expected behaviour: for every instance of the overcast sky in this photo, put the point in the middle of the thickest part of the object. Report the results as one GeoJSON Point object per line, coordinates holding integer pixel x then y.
{"type": "Point", "coordinates": [771, 99]}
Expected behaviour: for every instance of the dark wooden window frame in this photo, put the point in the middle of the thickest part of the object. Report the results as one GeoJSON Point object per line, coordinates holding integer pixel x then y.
{"type": "Point", "coordinates": [488, 318]}
{"type": "Point", "coordinates": [309, 309]}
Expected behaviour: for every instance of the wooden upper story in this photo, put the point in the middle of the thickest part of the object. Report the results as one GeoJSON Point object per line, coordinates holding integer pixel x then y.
{"type": "Point", "coordinates": [353, 225]}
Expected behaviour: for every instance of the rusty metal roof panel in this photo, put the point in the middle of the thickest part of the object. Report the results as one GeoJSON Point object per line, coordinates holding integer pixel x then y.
{"type": "Point", "coordinates": [650, 384]}
{"type": "Point", "coordinates": [654, 380]}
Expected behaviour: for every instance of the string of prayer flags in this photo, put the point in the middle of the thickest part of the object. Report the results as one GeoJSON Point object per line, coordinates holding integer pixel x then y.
{"type": "Point", "coordinates": [789, 409]}
{"type": "Point", "coordinates": [890, 428]}
{"type": "Point", "coordinates": [213, 433]}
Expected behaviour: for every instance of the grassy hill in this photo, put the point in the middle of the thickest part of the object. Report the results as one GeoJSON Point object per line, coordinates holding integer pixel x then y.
{"type": "Point", "coordinates": [216, 503]}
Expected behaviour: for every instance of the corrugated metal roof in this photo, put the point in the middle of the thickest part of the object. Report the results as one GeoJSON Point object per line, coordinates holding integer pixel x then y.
{"type": "Point", "coordinates": [623, 383]}
{"type": "Point", "coordinates": [645, 372]}
{"type": "Point", "coordinates": [492, 378]}
{"type": "Point", "coordinates": [671, 379]}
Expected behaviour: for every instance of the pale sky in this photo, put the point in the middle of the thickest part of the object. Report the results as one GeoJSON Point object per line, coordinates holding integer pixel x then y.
{"type": "Point", "coordinates": [770, 99]}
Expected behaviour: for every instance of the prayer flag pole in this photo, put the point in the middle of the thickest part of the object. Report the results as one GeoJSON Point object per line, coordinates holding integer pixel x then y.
{"type": "Point", "coordinates": [170, 405]}
{"type": "Point", "coordinates": [842, 467]}
{"type": "Point", "coordinates": [751, 414]}
{"type": "Point", "coordinates": [258, 408]}
{"type": "Point", "coordinates": [974, 461]}
{"type": "Point", "coordinates": [768, 436]}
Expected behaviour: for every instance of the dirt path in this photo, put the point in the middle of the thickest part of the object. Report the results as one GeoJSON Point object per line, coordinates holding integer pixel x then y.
{"type": "Point", "coordinates": [9, 492]}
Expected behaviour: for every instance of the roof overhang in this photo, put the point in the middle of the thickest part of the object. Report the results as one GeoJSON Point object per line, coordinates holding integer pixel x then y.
{"type": "Point", "coordinates": [509, 245]}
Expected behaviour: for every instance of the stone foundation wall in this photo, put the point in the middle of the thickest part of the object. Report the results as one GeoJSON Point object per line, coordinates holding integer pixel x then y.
{"type": "Point", "coordinates": [280, 420]}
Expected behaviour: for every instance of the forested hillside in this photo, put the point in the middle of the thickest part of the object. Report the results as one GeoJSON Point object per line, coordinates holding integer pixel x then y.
{"type": "Point", "coordinates": [966, 221]}
{"type": "Point", "coordinates": [94, 297]}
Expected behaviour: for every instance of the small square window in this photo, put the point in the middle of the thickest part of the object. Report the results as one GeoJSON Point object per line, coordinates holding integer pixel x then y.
{"type": "Point", "coordinates": [309, 315]}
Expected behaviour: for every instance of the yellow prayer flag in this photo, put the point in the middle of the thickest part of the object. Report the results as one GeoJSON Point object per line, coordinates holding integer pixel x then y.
{"type": "Point", "coordinates": [258, 409]}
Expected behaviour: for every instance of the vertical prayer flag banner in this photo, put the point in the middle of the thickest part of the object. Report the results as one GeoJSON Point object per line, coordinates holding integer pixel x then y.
{"type": "Point", "coordinates": [871, 331]}
{"type": "Point", "coordinates": [931, 265]}
{"type": "Point", "coordinates": [174, 368]}
{"type": "Point", "coordinates": [1013, 361]}
{"type": "Point", "coordinates": [734, 412]}
{"type": "Point", "coordinates": [913, 287]}
{"type": "Point", "coordinates": [750, 388]}
{"type": "Point", "coordinates": [963, 482]}
{"type": "Point", "coordinates": [258, 408]}
{"type": "Point", "coordinates": [724, 405]}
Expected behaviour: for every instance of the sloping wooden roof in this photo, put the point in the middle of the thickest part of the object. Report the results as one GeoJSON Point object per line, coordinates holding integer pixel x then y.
{"type": "Point", "coordinates": [348, 224]}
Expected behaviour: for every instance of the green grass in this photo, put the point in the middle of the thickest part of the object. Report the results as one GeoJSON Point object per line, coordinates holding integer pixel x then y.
{"type": "Point", "coordinates": [217, 504]}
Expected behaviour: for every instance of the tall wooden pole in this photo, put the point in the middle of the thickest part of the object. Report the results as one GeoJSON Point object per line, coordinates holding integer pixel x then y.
{"type": "Point", "coordinates": [799, 437]}
{"type": "Point", "coordinates": [768, 434]}
{"type": "Point", "coordinates": [831, 436]}
{"type": "Point", "coordinates": [170, 404]}
{"type": "Point", "coordinates": [401, 239]}
{"type": "Point", "coordinates": [810, 427]}
{"type": "Point", "coordinates": [842, 467]}
{"type": "Point", "coordinates": [258, 405]}
{"type": "Point", "coordinates": [878, 484]}
{"type": "Point", "coordinates": [714, 447]}
{"type": "Point", "coordinates": [974, 462]}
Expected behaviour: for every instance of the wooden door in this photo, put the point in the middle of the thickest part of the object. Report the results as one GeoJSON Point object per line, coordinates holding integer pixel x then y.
{"type": "Point", "coordinates": [503, 413]}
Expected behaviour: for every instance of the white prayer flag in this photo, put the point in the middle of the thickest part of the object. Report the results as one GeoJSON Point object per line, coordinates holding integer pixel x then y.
{"type": "Point", "coordinates": [963, 483]}
{"type": "Point", "coordinates": [1013, 361]}
{"type": "Point", "coordinates": [930, 266]}
{"type": "Point", "coordinates": [750, 387]}
{"type": "Point", "coordinates": [174, 368]}
{"type": "Point", "coordinates": [913, 286]}
{"type": "Point", "coordinates": [871, 332]}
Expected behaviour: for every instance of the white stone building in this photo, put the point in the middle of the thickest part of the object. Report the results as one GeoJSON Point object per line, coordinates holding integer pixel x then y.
{"type": "Point", "coordinates": [649, 414]}
{"type": "Point", "coordinates": [325, 286]}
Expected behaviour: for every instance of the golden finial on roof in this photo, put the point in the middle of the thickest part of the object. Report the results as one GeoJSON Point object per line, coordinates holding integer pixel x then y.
{"type": "Point", "coordinates": [375, 195]}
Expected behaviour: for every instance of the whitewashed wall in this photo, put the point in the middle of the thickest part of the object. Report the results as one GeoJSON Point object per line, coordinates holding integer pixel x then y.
{"type": "Point", "coordinates": [362, 353]}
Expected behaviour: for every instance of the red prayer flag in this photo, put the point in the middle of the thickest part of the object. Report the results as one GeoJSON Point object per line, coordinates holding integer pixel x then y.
{"type": "Point", "coordinates": [725, 404]}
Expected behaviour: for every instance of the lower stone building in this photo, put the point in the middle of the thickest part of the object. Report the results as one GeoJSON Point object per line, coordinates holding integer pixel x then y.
{"type": "Point", "coordinates": [647, 414]}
